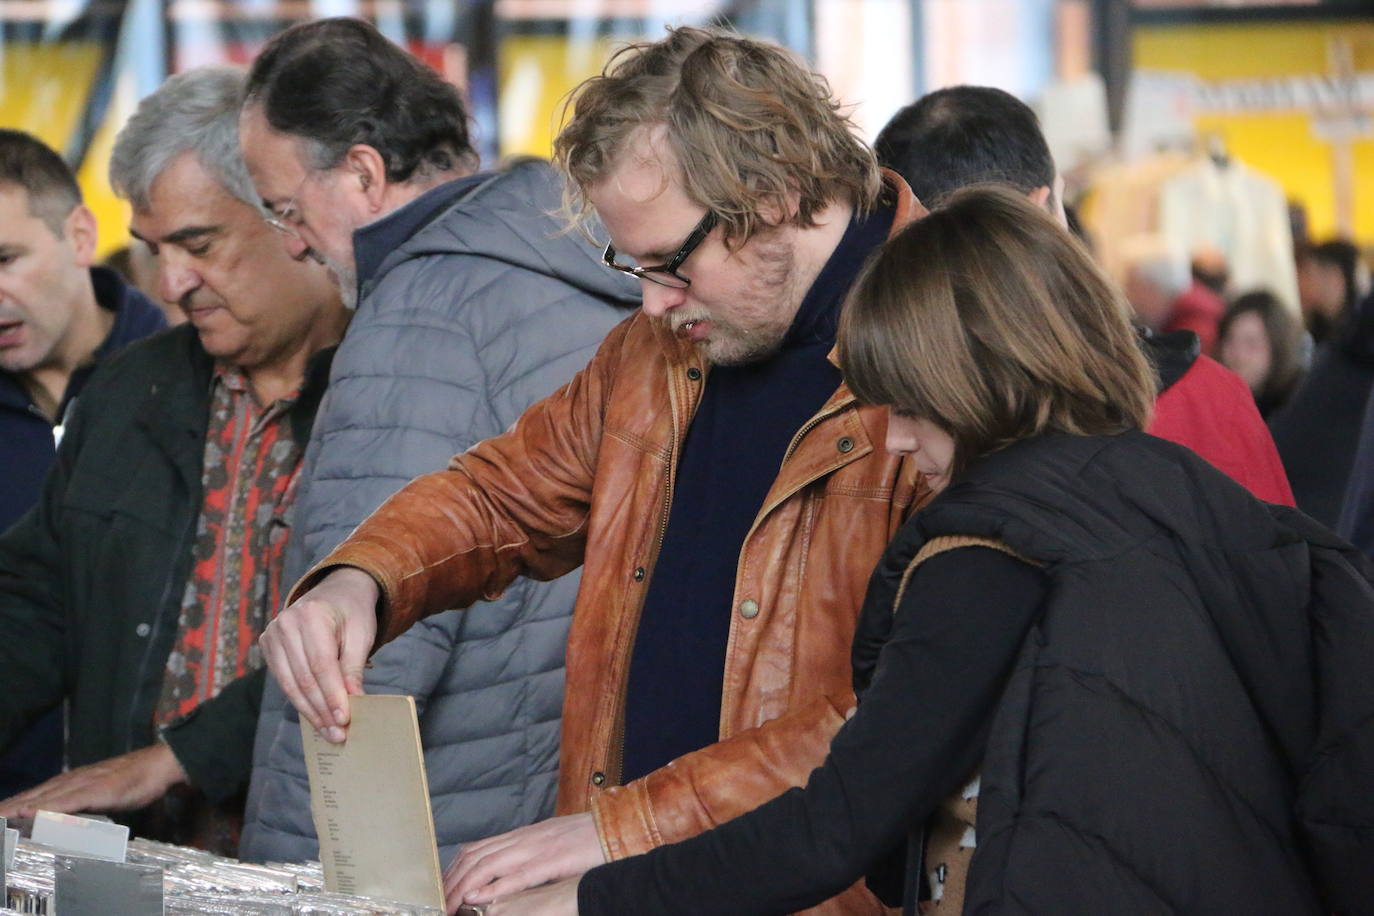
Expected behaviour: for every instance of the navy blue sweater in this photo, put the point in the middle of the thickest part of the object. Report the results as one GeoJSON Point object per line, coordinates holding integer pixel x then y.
{"type": "Point", "coordinates": [733, 451]}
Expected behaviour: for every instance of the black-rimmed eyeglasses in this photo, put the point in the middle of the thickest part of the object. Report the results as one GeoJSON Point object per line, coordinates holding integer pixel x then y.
{"type": "Point", "coordinates": [666, 274]}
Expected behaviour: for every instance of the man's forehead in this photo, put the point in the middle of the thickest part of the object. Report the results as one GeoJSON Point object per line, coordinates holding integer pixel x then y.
{"type": "Point", "coordinates": [18, 221]}
{"type": "Point", "coordinates": [185, 201]}
{"type": "Point", "coordinates": [14, 199]}
{"type": "Point", "coordinates": [647, 168]}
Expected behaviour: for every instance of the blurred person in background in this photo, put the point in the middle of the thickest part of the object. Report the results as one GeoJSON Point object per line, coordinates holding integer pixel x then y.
{"type": "Point", "coordinates": [1166, 295]}
{"type": "Point", "coordinates": [1260, 341]}
{"type": "Point", "coordinates": [1169, 295]}
{"type": "Point", "coordinates": [60, 316]}
{"type": "Point", "coordinates": [1155, 277]}
{"type": "Point", "coordinates": [1331, 278]}
{"type": "Point", "coordinates": [137, 265]}
{"type": "Point", "coordinates": [1318, 430]}
{"type": "Point", "coordinates": [1356, 520]}
{"type": "Point", "coordinates": [966, 135]}
{"type": "Point", "coordinates": [136, 588]}
{"type": "Point", "coordinates": [473, 302]}
{"type": "Point", "coordinates": [1089, 674]}
{"type": "Point", "coordinates": [1198, 309]}
{"type": "Point", "coordinates": [1209, 267]}
{"type": "Point", "coordinates": [724, 495]}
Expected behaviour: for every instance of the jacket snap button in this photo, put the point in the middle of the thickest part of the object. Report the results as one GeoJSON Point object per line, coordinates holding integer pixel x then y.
{"type": "Point", "coordinates": [749, 609]}
{"type": "Point", "coordinates": [639, 573]}
{"type": "Point", "coordinates": [694, 374]}
{"type": "Point", "coordinates": [598, 778]}
{"type": "Point", "coordinates": [845, 445]}
{"type": "Point", "coordinates": [143, 629]}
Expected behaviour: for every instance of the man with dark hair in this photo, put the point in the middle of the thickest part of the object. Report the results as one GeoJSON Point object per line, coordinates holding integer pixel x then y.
{"type": "Point", "coordinates": [1318, 431]}
{"type": "Point", "coordinates": [366, 128]}
{"type": "Point", "coordinates": [60, 315]}
{"type": "Point", "coordinates": [967, 135]}
{"type": "Point", "coordinates": [723, 491]}
{"type": "Point", "coordinates": [1329, 285]}
{"type": "Point", "coordinates": [136, 588]}
{"type": "Point", "coordinates": [472, 303]}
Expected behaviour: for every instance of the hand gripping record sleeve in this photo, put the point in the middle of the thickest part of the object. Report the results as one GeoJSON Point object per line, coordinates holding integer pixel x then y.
{"type": "Point", "coordinates": [370, 801]}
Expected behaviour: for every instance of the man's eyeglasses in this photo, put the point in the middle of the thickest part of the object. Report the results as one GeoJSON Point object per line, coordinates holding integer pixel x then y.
{"type": "Point", "coordinates": [281, 220]}
{"type": "Point", "coordinates": [666, 274]}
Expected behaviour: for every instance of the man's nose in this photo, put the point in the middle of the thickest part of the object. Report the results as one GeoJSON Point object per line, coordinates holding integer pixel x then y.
{"type": "Point", "coordinates": [660, 299]}
{"type": "Point", "coordinates": [295, 245]}
{"type": "Point", "coordinates": [176, 278]}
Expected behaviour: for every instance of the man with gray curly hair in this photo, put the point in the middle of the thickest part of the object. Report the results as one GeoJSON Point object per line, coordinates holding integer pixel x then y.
{"type": "Point", "coordinates": [724, 492]}
{"type": "Point", "coordinates": [137, 588]}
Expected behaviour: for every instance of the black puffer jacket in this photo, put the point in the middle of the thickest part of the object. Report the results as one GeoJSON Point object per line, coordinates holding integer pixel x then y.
{"type": "Point", "coordinates": [1190, 727]}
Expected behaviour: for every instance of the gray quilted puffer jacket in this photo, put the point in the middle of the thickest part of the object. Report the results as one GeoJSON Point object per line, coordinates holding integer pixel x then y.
{"type": "Point", "coordinates": [487, 308]}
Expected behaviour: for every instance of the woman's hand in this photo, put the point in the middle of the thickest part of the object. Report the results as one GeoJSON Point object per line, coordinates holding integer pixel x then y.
{"type": "Point", "coordinates": [498, 866]}
{"type": "Point", "coordinates": [550, 900]}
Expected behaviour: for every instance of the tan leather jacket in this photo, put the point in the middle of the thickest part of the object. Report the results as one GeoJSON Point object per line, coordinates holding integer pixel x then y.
{"type": "Point", "coordinates": [585, 477]}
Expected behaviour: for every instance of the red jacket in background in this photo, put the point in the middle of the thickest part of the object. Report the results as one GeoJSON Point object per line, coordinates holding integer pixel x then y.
{"type": "Point", "coordinates": [1211, 411]}
{"type": "Point", "coordinates": [1198, 310]}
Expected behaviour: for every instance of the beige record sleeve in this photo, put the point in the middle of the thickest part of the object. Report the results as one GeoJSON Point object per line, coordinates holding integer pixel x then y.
{"type": "Point", "coordinates": [370, 801]}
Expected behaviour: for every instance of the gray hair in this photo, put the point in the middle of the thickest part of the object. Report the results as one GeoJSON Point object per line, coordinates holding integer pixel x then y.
{"type": "Point", "coordinates": [1152, 259]}
{"type": "Point", "coordinates": [196, 112]}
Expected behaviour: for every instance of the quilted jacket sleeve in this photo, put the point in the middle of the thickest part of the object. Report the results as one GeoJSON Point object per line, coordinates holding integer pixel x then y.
{"type": "Point", "coordinates": [512, 505]}
{"type": "Point", "coordinates": [414, 383]}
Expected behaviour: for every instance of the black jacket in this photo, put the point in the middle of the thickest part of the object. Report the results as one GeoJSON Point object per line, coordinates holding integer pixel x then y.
{"type": "Point", "coordinates": [1173, 714]}
{"type": "Point", "coordinates": [1190, 727]}
{"type": "Point", "coordinates": [91, 579]}
{"type": "Point", "coordinates": [1318, 431]}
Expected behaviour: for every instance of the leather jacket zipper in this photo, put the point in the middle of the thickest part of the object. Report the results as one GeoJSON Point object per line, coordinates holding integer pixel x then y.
{"type": "Point", "coordinates": [615, 766]}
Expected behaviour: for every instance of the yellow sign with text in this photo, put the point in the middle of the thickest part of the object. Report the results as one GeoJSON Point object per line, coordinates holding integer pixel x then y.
{"type": "Point", "coordinates": [1293, 100]}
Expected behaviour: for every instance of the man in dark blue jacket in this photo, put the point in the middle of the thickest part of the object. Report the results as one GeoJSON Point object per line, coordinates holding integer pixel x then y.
{"type": "Point", "coordinates": [59, 316]}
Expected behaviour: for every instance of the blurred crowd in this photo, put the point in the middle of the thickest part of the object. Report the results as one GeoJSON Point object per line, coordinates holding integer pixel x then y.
{"type": "Point", "coordinates": [763, 522]}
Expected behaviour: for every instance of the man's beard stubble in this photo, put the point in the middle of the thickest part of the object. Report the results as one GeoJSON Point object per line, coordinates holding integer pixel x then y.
{"type": "Point", "coordinates": [345, 277]}
{"type": "Point", "coordinates": [770, 299]}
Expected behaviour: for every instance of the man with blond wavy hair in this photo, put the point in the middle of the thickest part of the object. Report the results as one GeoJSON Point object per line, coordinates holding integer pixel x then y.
{"type": "Point", "coordinates": [723, 490]}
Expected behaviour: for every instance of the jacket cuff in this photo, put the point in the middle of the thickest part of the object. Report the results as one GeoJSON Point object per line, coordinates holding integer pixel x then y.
{"type": "Point", "coordinates": [625, 821]}
{"type": "Point", "coordinates": [214, 742]}
{"type": "Point", "coordinates": [358, 556]}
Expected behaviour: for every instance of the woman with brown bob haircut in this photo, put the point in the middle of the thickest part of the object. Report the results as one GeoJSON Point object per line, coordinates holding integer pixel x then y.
{"type": "Point", "coordinates": [1095, 675]}
{"type": "Point", "coordinates": [996, 325]}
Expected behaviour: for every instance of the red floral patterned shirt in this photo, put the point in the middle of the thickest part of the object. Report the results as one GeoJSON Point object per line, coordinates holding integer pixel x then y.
{"type": "Point", "coordinates": [249, 483]}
